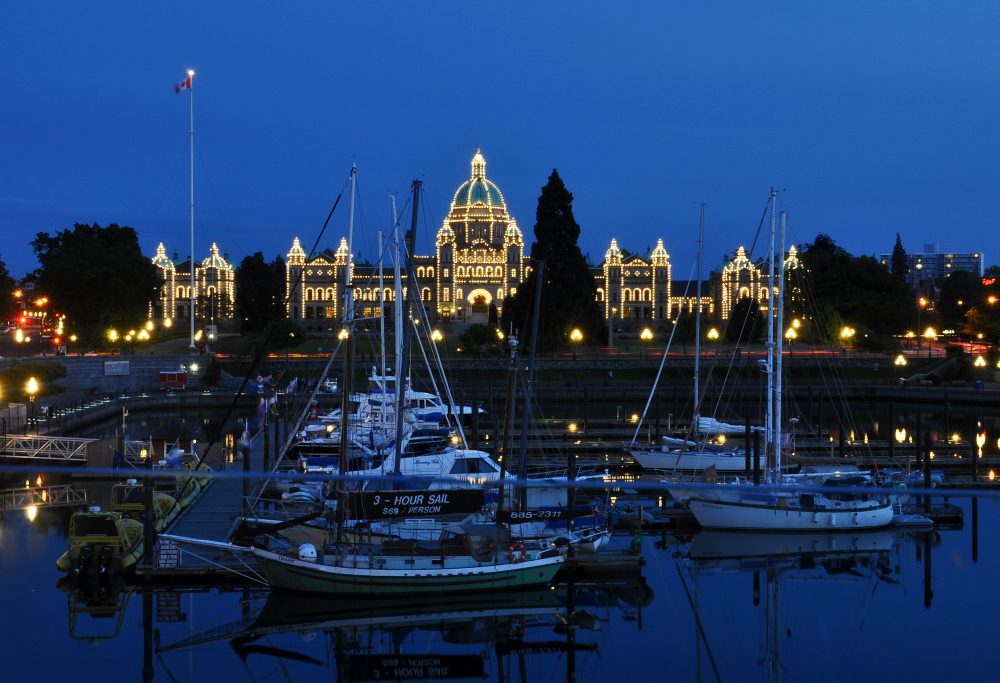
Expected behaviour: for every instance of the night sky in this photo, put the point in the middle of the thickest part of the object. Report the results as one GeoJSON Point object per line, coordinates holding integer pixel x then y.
{"type": "Point", "coordinates": [876, 118]}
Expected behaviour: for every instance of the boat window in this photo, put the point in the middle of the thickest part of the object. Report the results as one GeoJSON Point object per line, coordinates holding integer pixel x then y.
{"type": "Point", "coordinates": [95, 526]}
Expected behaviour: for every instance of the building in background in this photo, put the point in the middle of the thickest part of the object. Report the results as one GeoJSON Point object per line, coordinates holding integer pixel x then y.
{"type": "Point", "coordinates": [479, 261]}
{"type": "Point", "coordinates": [214, 283]}
{"type": "Point", "coordinates": [924, 268]}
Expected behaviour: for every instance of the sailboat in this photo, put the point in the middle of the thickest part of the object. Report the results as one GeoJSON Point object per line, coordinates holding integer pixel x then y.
{"type": "Point", "coordinates": [684, 455]}
{"type": "Point", "coordinates": [467, 558]}
{"type": "Point", "coordinates": [785, 506]}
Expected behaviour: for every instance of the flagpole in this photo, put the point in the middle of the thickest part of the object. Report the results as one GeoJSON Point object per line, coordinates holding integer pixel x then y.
{"type": "Point", "coordinates": [191, 94]}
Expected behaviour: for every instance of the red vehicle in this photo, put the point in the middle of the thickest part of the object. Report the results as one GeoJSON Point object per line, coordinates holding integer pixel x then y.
{"type": "Point", "coordinates": [173, 379]}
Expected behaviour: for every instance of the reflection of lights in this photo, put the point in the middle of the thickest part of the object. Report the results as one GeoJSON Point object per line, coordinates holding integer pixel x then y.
{"type": "Point", "coordinates": [18, 335]}
{"type": "Point", "coordinates": [31, 511]}
{"type": "Point", "coordinates": [38, 481]}
{"type": "Point", "coordinates": [981, 439]}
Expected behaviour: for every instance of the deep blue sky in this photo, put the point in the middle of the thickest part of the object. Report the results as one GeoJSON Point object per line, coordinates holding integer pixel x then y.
{"type": "Point", "coordinates": [877, 117]}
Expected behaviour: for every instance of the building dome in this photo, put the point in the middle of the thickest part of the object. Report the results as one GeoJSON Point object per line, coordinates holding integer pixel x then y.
{"type": "Point", "coordinates": [161, 260]}
{"type": "Point", "coordinates": [478, 190]}
{"type": "Point", "coordinates": [513, 234]}
{"type": "Point", "coordinates": [445, 235]}
{"type": "Point", "coordinates": [214, 260]}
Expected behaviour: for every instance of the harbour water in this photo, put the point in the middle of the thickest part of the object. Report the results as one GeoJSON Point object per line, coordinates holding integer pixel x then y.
{"type": "Point", "coordinates": [887, 605]}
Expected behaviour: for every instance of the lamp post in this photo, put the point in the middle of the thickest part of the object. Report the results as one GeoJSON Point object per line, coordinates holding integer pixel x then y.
{"type": "Point", "coordinates": [645, 336]}
{"type": "Point", "coordinates": [32, 388]}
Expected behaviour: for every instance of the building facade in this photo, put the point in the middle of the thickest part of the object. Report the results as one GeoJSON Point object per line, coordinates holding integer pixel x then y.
{"type": "Point", "coordinates": [214, 287]}
{"type": "Point", "coordinates": [479, 261]}
{"type": "Point", "coordinates": [932, 264]}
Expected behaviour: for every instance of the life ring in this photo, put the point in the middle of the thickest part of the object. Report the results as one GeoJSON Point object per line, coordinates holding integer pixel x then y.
{"type": "Point", "coordinates": [517, 552]}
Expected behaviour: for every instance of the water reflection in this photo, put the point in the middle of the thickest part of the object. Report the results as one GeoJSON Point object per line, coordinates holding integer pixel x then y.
{"type": "Point", "coordinates": [416, 638]}
{"type": "Point", "coordinates": [812, 563]}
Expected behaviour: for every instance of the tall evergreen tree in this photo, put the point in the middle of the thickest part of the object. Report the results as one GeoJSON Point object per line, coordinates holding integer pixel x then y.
{"type": "Point", "coordinates": [568, 291]}
{"type": "Point", "coordinates": [898, 266]}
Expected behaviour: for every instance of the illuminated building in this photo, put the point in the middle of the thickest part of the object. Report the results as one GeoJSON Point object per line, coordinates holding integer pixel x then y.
{"type": "Point", "coordinates": [215, 288]}
{"type": "Point", "coordinates": [479, 261]}
{"type": "Point", "coordinates": [932, 264]}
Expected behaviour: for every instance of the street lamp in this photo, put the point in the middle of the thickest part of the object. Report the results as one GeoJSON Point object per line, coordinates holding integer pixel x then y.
{"type": "Point", "coordinates": [646, 336]}
{"type": "Point", "coordinates": [576, 335]}
{"type": "Point", "coordinates": [32, 388]}
{"type": "Point", "coordinates": [900, 360]}
{"type": "Point", "coordinates": [713, 334]}
{"type": "Point", "coordinates": [436, 336]}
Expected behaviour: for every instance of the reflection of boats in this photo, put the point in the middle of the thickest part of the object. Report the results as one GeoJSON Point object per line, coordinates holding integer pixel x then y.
{"type": "Point", "coordinates": [91, 602]}
{"type": "Point", "coordinates": [736, 549]}
{"type": "Point", "coordinates": [460, 618]}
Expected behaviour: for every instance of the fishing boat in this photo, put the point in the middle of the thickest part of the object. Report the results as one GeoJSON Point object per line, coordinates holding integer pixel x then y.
{"type": "Point", "coordinates": [787, 504]}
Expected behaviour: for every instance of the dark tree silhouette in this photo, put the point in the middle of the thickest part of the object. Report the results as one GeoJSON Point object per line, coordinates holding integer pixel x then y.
{"type": "Point", "coordinates": [568, 290]}
{"type": "Point", "coordinates": [98, 277]}
{"type": "Point", "coordinates": [260, 292]}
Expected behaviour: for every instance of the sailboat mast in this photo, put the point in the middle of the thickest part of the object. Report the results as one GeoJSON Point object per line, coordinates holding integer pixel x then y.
{"type": "Point", "coordinates": [529, 375]}
{"type": "Point", "coordinates": [381, 317]}
{"type": "Point", "coordinates": [769, 429]}
{"type": "Point", "coordinates": [697, 323]}
{"type": "Point", "coordinates": [780, 324]}
{"type": "Point", "coordinates": [397, 309]}
{"type": "Point", "coordinates": [407, 324]}
{"type": "Point", "coordinates": [345, 399]}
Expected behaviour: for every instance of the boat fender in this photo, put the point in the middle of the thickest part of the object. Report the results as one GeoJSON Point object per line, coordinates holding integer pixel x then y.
{"type": "Point", "coordinates": [307, 552]}
{"type": "Point", "coordinates": [517, 552]}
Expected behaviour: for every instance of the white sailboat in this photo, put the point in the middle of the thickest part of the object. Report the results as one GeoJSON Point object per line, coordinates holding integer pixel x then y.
{"type": "Point", "coordinates": [785, 506]}
{"type": "Point", "coordinates": [682, 455]}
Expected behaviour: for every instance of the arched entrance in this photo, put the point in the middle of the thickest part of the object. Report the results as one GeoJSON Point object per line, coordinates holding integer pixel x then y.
{"type": "Point", "coordinates": [479, 306]}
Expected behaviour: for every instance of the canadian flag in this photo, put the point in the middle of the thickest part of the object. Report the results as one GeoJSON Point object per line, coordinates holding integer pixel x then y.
{"type": "Point", "coordinates": [183, 85]}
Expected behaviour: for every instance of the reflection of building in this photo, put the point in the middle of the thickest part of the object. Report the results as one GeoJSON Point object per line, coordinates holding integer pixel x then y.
{"type": "Point", "coordinates": [479, 261]}
{"type": "Point", "coordinates": [215, 290]}
{"type": "Point", "coordinates": [932, 264]}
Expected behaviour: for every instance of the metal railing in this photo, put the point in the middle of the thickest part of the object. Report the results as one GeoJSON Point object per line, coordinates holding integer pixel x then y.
{"type": "Point", "coordinates": [45, 447]}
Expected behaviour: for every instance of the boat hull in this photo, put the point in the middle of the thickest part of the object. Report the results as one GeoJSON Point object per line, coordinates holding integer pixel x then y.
{"type": "Point", "coordinates": [721, 514]}
{"type": "Point", "coordinates": [289, 574]}
{"type": "Point", "coordinates": [689, 461]}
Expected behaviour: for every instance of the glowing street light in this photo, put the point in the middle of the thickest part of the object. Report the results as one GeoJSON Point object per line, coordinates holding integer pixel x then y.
{"type": "Point", "coordinates": [980, 362]}
{"type": "Point", "coordinates": [436, 336]}
{"type": "Point", "coordinates": [31, 387]}
{"type": "Point", "coordinates": [930, 333]}
{"type": "Point", "coordinates": [149, 325]}
{"type": "Point", "coordinates": [168, 323]}
{"type": "Point", "coordinates": [343, 334]}
{"type": "Point", "coordinates": [646, 334]}
{"type": "Point", "coordinates": [900, 360]}
{"type": "Point", "coordinates": [112, 335]}
{"type": "Point", "coordinates": [713, 334]}
{"type": "Point", "coordinates": [847, 333]}
{"type": "Point", "coordinates": [901, 435]}
{"type": "Point", "coordinates": [576, 335]}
